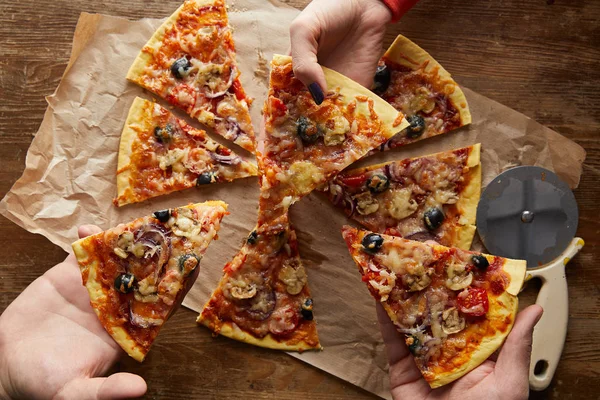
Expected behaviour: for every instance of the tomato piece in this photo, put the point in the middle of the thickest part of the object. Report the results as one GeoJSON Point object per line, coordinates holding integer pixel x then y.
{"type": "Point", "coordinates": [278, 108]}
{"type": "Point", "coordinates": [473, 302]}
{"type": "Point", "coordinates": [284, 321]}
{"type": "Point", "coordinates": [354, 180]}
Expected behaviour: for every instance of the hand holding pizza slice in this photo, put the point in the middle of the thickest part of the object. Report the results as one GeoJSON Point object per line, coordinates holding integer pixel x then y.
{"type": "Point", "coordinates": [455, 307]}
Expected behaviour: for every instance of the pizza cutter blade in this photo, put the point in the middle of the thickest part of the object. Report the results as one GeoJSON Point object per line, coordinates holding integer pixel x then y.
{"type": "Point", "coordinates": [528, 213]}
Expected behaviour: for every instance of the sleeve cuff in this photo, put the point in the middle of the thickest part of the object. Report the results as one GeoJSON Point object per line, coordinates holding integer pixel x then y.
{"type": "Point", "coordinates": [399, 7]}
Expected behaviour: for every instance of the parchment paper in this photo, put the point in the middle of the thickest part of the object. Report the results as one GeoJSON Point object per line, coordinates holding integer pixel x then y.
{"type": "Point", "coordinates": [69, 178]}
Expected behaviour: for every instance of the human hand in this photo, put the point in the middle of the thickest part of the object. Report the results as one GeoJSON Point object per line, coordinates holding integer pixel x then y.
{"type": "Point", "coordinates": [507, 378]}
{"type": "Point", "coordinates": [52, 345]}
{"type": "Point", "coordinates": [346, 36]}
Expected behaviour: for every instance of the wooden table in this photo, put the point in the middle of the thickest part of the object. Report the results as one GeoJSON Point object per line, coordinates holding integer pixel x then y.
{"type": "Point", "coordinates": [540, 57]}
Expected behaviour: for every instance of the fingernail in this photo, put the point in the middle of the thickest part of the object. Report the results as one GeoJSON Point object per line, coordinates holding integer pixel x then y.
{"type": "Point", "coordinates": [316, 92]}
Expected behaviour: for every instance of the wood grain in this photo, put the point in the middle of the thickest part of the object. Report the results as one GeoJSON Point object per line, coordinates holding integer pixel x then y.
{"type": "Point", "coordinates": [539, 57]}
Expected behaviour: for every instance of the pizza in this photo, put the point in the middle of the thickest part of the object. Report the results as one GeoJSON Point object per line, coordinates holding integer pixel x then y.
{"type": "Point", "coordinates": [190, 61]}
{"type": "Point", "coordinates": [306, 144]}
{"type": "Point", "coordinates": [455, 307]}
{"type": "Point", "coordinates": [160, 154]}
{"type": "Point", "coordinates": [417, 85]}
{"type": "Point", "coordinates": [137, 273]}
{"type": "Point", "coordinates": [433, 197]}
{"type": "Point", "coordinates": [263, 298]}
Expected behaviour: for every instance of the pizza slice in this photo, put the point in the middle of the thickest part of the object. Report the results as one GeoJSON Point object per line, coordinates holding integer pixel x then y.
{"type": "Point", "coordinates": [263, 298]}
{"type": "Point", "coordinates": [455, 307]}
{"type": "Point", "coordinates": [306, 144]}
{"type": "Point", "coordinates": [417, 85]}
{"type": "Point", "coordinates": [137, 274]}
{"type": "Point", "coordinates": [190, 61]}
{"type": "Point", "coordinates": [161, 154]}
{"type": "Point", "coordinates": [433, 197]}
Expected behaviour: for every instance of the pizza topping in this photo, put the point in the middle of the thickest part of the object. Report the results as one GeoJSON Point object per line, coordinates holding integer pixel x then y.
{"type": "Point", "coordinates": [244, 287]}
{"type": "Point", "coordinates": [293, 275]}
{"type": "Point", "coordinates": [307, 130]}
{"type": "Point", "coordinates": [433, 218]}
{"type": "Point", "coordinates": [423, 101]}
{"type": "Point", "coordinates": [162, 215]}
{"type": "Point", "coordinates": [480, 262]}
{"type": "Point", "coordinates": [371, 243]}
{"type": "Point", "coordinates": [164, 134]}
{"type": "Point", "coordinates": [416, 127]}
{"type": "Point", "coordinates": [473, 302]}
{"type": "Point", "coordinates": [336, 129]}
{"type": "Point", "coordinates": [283, 321]}
{"type": "Point", "coordinates": [401, 204]}
{"type": "Point", "coordinates": [458, 276]}
{"type": "Point", "coordinates": [384, 283]}
{"type": "Point", "coordinates": [378, 183]}
{"type": "Point", "coordinates": [120, 252]}
{"type": "Point", "coordinates": [181, 68]}
{"type": "Point", "coordinates": [188, 263]}
{"type": "Point", "coordinates": [144, 315]}
{"type": "Point", "coordinates": [172, 157]}
{"type": "Point", "coordinates": [124, 283]}
{"type": "Point", "coordinates": [383, 76]}
{"type": "Point", "coordinates": [213, 76]}
{"type": "Point", "coordinates": [418, 279]}
{"type": "Point", "coordinates": [354, 180]}
{"type": "Point", "coordinates": [303, 175]}
{"type": "Point", "coordinates": [229, 159]}
{"type": "Point", "coordinates": [307, 309]}
{"type": "Point", "coordinates": [252, 237]}
{"type": "Point", "coordinates": [451, 321]}
{"type": "Point", "coordinates": [365, 203]}
{"type": "Point", "coordinates": [262, 305]}
{"type": "Point", "coordinates": [206, 178]}
{"type": "Point", "coordinates": [413, 344]}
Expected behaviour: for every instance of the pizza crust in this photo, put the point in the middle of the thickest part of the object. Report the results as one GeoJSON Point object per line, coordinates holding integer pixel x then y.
{"type": "Point", "coordinates": [232, 331]}
{"type": "Point", "coordinates": [349, 90]}
{"type": "Point", "coordinates": [469, 198]}
{"type": "Point", "coordinates": [503, 307]}
{"type": "Point", "coordinates": [90, 265]}
{"type": "Point", "coordinates": [136, 119]}
{"type": "Point", "coordinates": [516, 269]}
{"type": "Point", "coordinates": [405, 52]}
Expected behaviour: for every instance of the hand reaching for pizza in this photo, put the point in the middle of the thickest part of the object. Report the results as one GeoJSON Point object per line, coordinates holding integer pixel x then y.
{"type": "Point", "coordinates": [346, 36]}
{"type": "Point", "coordinates": [503, 379]}
{"type": "Point", "coordinates": [53, 346]}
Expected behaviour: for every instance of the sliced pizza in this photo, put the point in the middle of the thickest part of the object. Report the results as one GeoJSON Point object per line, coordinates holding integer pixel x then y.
{"type": "Point", "coordinates": [263, 297]}
{"type": "Point", "coordinates": [190, 61]}
{"type": "Point", "coordinates": [160, 154]}
{"type": "Point", "coordinates": [417, 85]}
{"type": "Point", "coordinates": [137, 274]}
{"type": "Point", "coordinates": [433, 197]}
{"type": "Point", "coordinates": [306, 144]}
{"type": "Point", "coordinates": [455, 307]}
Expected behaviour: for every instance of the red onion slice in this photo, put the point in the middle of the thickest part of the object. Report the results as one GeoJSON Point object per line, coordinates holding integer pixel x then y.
{"type": "Point", "coordinates": [227, 86]}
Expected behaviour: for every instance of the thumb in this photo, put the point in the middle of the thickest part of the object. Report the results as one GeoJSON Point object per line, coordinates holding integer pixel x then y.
{"type": "Point", "coordinates": [121, 385]}
{"type": "Point", "coordinates": [513, 360]}
{"type": "Point", "coordinates": [88, 230]}
{"type": "Point", "coordinates": [304, 36]}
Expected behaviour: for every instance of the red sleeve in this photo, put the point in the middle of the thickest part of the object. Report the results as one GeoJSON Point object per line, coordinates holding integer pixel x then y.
{"type": "Point", "coordinates": [399, 7]}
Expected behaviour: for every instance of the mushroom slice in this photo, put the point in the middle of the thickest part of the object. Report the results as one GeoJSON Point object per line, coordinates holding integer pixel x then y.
{"type": "Point", "coordinates": [365, 203]}
{"type": "Point", "coordinates": [452, 322]}
{"type": "Point", "coordinates": [242, 287]}
{"type": "Point", "coordinates": [418, 280]}
{"type": "Point", "coordinates": [293, 275]}
{"type": "Point", "coordinates": [459, 277]}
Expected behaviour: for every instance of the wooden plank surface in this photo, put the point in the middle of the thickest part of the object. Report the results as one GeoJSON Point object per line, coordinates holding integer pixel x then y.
{"type": "Point", "coordinates": [539, 57]}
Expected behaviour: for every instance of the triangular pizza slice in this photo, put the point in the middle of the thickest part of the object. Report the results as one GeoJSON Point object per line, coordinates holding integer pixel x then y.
{"type": "Point", "coordinates": [432, 197]}
{"type": "Point", "coordinates": [137, 273]}
{"type": "Point", "coordinates": [414, 83]}
{"type": "Point", "coordinates": [306, 144]}
{"type": "Point", "coordinates": [455, 307]}
{"type": "Point", "coordinates": [263, 298]}
{"type": "Point", "coordinates": [160, 154]}
{"type": "Point", "coordinates": [190, 61]}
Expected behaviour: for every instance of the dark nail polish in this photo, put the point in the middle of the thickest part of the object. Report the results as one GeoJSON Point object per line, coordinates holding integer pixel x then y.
{"type": "Point", "coordinates": [316, 92]}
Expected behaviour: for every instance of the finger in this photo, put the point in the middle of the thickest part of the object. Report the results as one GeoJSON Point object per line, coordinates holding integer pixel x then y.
{"type": "Point", "coordinates": [88, 230]}
{"type": "Point", "coordinates": [304, 35]}
{"type": "Point", "coordinates": [405, 378]}
{"type": "Point", "coordinates": [513, 360]}
{"type": "Point", "coordinates": [117, 386]}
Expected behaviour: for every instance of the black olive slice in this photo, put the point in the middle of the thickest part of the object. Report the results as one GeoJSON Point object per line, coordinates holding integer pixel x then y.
{"type": "Point", "coordinates": [181, 67]}
{"type": "Point", "coordinates": [378, 183]}
{"type": "Point", "coordinates": [307, 309]}
{"type": "Point", "coordinates": [124, 283]}
{"type": "Point", "coordinates": [162, 215]}
{"type": "Point", "coordinates": [480, 261]}
{"type": "Point", "coordinates": [252, 237]}
{"type": "Point", "coordinates": [371, 243]}
{"type": "Point", "coordinates": [433, 218]}
{"type": "Point", "coordinates": [307, 130]}
{"type": "Point", "coordinates": [188, 262]}
{"type": "Point", "coordinates": [382, 79]}
{"type": "Point", "coordinates": [416, 127]}
{"type": "Point", "coordinates": [163, 134]}
{"type": "Point", "coordinates": [205, 178]}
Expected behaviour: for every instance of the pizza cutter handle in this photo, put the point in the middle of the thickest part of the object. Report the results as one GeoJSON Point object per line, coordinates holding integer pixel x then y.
{"type": "Point", "coordinates": [550, 332]}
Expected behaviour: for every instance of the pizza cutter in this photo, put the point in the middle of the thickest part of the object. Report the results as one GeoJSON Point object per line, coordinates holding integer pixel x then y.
{"type": "Point", "coordinates": [528, 213]}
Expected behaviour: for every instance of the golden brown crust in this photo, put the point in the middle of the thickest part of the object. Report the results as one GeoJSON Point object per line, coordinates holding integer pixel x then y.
{"type": "Point", "coordinates": [405, 52]}
{"type": "Point", "coordinates": [469, 197]}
